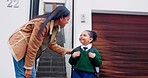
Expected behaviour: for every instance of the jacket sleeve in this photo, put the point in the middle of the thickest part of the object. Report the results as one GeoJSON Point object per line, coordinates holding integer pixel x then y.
{"type": "Point", "coordinates": [57, 48]}
{"type": "Point", "coordinates": [73, 60]}
{"type": "Point", "coordinates": [33, 45]}
{"type": "Point", "coordinates": [97, 61]}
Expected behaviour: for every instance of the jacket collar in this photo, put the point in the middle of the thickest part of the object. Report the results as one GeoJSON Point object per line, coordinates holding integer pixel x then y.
{"type": "Point", "coordinates": [52, 27]}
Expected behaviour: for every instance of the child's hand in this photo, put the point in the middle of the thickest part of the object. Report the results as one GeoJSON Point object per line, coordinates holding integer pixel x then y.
{"type": "Point", "coordinates": [91, 55]}
{"type": "Point", "coordinates": [76, 54]}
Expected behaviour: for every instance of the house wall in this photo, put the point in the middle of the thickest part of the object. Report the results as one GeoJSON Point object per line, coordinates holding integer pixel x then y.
{"type": "Point", "coordinates": [86, 7]}
{"type": "Point", "coordinates": [11, 18]}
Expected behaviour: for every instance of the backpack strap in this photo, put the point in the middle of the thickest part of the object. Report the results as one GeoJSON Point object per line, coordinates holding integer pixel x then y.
{"type": "Point", "coordinates": [76, 49]}
{"type": "Point", "coordinates": [93, 51]}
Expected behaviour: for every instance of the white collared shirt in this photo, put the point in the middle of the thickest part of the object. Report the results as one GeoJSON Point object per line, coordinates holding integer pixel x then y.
{"type": "Point", "coordinates": [88, 46]}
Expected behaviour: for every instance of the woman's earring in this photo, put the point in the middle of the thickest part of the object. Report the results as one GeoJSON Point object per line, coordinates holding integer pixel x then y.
{"type": "Point", "coordinates": [61, 19]}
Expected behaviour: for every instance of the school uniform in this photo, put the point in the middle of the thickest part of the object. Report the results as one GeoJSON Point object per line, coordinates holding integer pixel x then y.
{"type": "Point", "coordinates": [83, 65]}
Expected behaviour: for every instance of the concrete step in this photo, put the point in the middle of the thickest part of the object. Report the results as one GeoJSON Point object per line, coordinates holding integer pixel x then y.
{"type": "Point", "coordinates": [51, 68]}
{"type": "Point", "coordinates": [51, 74]}
{"type": "Point", "coordinates": [52, 63]}
{"type": "Point", "coordinates": [51, 58]}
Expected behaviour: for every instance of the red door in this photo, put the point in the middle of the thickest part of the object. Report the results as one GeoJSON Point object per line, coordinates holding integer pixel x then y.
{"type": "Point", "coordinates": [123, 44]}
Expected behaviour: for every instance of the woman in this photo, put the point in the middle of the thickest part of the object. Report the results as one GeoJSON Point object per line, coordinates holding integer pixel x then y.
{"type": "Point", "coordinates": [30, 40]}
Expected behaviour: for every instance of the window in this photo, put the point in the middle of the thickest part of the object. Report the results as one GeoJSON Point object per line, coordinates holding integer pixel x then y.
{"type": "Point", "coordinates": [48, 7]}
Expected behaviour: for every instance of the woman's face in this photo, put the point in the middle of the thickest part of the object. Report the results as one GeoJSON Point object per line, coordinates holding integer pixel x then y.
{"type": "Point", "coordinates": [64, 21]}
{"type": "Point", "coordinates": [85, 39]}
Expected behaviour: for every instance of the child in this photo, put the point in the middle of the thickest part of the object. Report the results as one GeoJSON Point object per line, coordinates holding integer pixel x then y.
{"type": "Point", "coordinates": [83, 60]}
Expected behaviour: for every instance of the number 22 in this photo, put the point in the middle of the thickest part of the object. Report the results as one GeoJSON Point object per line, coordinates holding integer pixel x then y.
{"type": "Point", "coordinates": [13, 3]}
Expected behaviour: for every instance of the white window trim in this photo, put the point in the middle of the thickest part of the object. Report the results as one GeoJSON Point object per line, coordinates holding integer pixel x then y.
{"type": "Point", "coordinates": [54, 1]}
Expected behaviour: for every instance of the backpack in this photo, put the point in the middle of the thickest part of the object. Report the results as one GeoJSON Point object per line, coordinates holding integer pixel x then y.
{"type": "Point", "coordinates": [96, 74]}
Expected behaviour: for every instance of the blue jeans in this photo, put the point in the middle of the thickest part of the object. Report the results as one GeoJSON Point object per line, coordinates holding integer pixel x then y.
{"type": "Point", "coordinates": [20, 70]}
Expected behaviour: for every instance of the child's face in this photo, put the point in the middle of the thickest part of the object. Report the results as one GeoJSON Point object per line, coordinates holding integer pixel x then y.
{"type": "Point", "coordinates": [85, 39]}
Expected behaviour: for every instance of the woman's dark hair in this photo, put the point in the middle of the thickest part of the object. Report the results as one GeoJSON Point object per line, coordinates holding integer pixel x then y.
{"type": "Point", "coordinates": [60, 11]}
{"type": "Point", "coordinates": [92, 34]}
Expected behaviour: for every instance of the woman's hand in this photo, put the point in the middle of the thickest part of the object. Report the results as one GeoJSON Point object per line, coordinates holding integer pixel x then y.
{"type": "Point", "coordinates": [69, 51]}
{"type": "Point", "coordinates": [91, 55]}
{"type": "Point", "coordinates": [76, 54]}
{"type": "Point", "coordinates": [28, 73]}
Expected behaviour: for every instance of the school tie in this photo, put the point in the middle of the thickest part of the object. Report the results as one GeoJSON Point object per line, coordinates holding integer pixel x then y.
{"type": "Point", "coordinates": [84, 48]}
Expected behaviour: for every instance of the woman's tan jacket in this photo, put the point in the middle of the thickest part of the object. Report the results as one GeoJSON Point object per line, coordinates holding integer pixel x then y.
{"type": "Point", "coordinates": [25, 41]}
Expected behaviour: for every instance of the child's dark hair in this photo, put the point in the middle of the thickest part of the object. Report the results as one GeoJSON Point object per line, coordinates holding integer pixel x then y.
{"type": "Point", "coordinates": [92, 34]}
